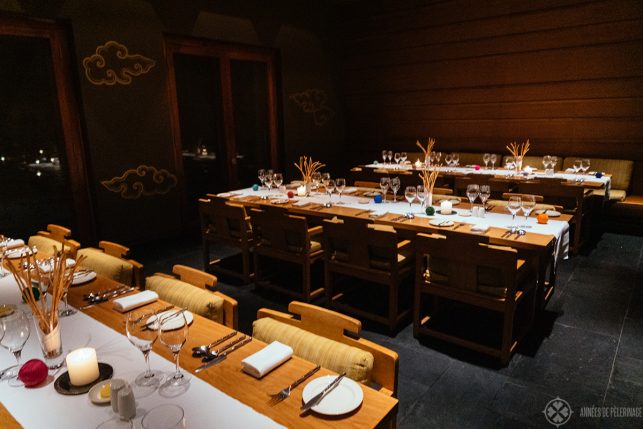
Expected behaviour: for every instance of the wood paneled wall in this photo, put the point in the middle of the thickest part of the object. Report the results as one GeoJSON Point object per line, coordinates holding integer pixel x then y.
{"type": "Point", "coordinates": [476, 75]}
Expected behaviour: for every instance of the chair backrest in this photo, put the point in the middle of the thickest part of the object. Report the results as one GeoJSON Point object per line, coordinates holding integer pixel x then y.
{"type": "Point", "coordinates": [366, 184]}
{"type": "Point", "coordinates": [620, 169]}
{"type": "Point", "coordinates": [466, 263]}
{"type": "Point", "coordinates": [343, 329]}
{"type": "Point", "coordinates": [280, 231]}
{"type": "Point", "coordinates": [570, 197]}
{"type": "Point", "coordinates": [223, 219]}
{"type": "Point", "coordinates": [496, 185]}
{"type": "Point", "coordinates": [110, 260]}
{"type": "Point", "coordinates": [46, 240]}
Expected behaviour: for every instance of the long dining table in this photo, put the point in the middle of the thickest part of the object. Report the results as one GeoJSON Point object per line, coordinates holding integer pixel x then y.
{"type": "Point", "coordinates": [220, 396]}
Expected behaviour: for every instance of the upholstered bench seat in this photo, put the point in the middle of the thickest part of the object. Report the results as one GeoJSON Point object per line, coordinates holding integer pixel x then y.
{"type": "Point", "coordinates": [503, 203]}
{"type": "Point", "coordinates": [328, 353]}
{"type": "Point", "coordinates": [615, 194]}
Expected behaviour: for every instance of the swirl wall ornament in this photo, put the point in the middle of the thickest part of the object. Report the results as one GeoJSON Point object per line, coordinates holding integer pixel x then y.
{"type": "Point", "coordinates": [144, 180]}
{"type": "Point", "coordinates": [112, 63]}
{"type": "Point", "coordinates": [313, 100]}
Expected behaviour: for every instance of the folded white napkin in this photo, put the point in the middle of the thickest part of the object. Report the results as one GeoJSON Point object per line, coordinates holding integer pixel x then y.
{"type": "Point", "coordinates": [301, 203]}
{"type": "Point", "coordinates": [16, 242]}
{"type": "Point", "coordinates": [481, 227]}
{"type": "Point", "coordinates": [266, 359]}
{"type": "Point", "coordinates": [129, 302]}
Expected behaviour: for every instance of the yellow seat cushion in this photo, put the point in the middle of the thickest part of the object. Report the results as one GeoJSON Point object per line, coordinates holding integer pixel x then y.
{"type": "Point", "coordinates": [185, 295]}
{"type": "Point", "coordinates": [107, 265]}
{"type": "Point", "coordinates": [328, 353]}
{"type": "Point", "coordinates": [615, 194]}
{"type": "Point", "coordinates": [620, 169]}
{"type": "Point", "coordinates": [44, 245]}
{"type": "Point", "coordinates": [538, 206]}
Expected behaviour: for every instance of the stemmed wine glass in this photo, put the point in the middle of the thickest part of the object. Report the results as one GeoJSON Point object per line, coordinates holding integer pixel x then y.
{"type": "Point", "coordinates": [456, 159]}
{"type": "Point", "coordinates": [546, 162]}
{"type": "Point", "coordinates": [16, 329]}
{"type": "Point", "coordinates": [142, 331]}
{"type": "Point", "coordinates": [4, 241]}
{"type": "Point", "coordinates": [577, 165]}
{"type": "Point", "coordinates": [448, 158]}
{"type": "Point", "coordinates": [397, 158]}
{"type": "Point", "coordinates": [384, 154]}
{"type": "Point", "coordinates": [513, 206]}
{"type": "Point", "coordinates": [173, 333]}
{"type": "Point", "coordinates": [316, 178]}
{"type": "Point", "coordinates": [486, 158]}
{"type": "Point", "coordinates": [277, 180]}
{"type": "Point", "coordinates": [268, 180]}
{"type": "Point", "coordinates": [67, 310]}
{"type": "Point", "coordinates": [438, 155]}
{"type": "Point", "coordinates": [554, 161]}
{"type": "Point", "coordinates": [485, 193]}
{"type": "Point", "coordinates": [585, 165]}
{"type": "Point", "coordinates": [384, 184]}
{"type": "Point", "coordinates": [410, 193]}
{"type": "Point", "coordinates": [432, 157]}
{"type": "Point", "coordinates": [422, 194]}
{"type": "Point", "coordinates": [528, 202]}
{"type": "Point", "coordinates": [340, 184]}
{"type": "Point", "coordinates": [493, 158]}
{"type": "Point", "coordinates": [473, 191]}
{"type": "Point", "coordinates": [261, 174]}
{"type": "Point", "coordinates": [390, 156]}
{"type": "Point", "coordinates": [403, 156]}
{"type": "Point", "coordinates": [509, 163]}
{"type": "Point", "coordinates": [330, 188]}
{"type": "Point", "coordinates": [395, 186]}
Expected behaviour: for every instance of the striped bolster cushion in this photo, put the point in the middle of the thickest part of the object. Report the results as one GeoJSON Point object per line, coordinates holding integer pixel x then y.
{"type": "Point", "coordinates": [185, 295]}
{"type": "Point", "coordinates": [107, 265]}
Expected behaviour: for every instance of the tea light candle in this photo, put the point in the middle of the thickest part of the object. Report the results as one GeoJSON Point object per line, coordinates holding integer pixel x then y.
{"type": "Point", "coordinates": [82, 366]}
{"type": "Point", "coordinates": [445, 207]}
{"type": "Point", "coordinates": [418, 164]}
{"type": "Point", "coordinates": [528, 170]}
{"type": "Point", "coordinates": [301, 191]}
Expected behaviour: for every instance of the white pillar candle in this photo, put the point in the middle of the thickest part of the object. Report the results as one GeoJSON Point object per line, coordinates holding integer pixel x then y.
{"type": "Point", "coordinates": [301, 191]}
{"type": "Point", "coordinates": [445, 207]}
{"type": "Point", "coordinates": [418, 164]}
{"type": "Point", "coordinates": [82, 366]}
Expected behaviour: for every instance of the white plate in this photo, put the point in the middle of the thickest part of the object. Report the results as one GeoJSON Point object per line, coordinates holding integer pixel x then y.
{"type": "Point", "coordinates": [281, 201]}
{"type": "Point", "coordinates": [465, 213]}
{"type": "Point", "coordinates": [46, 265]}
{"type": "Point", "coordinates": [94, 393]}
{"type": "Point", "coordinates": [346, 397]}
{"type": "Point", "coordinates": [454, 201]}
{"type": "Point", "coordinates": [364, 200]}
{"type": "Point", "coordinates": [174, 323]}
{"type": "Point", "coordinates": [17, 253]}
{"type": "Point", "coordinates": [552, 213]}
{"type": "Point", "coordinates": [441, 222]}
{"type": "Point", "coordinates": [83, 277]}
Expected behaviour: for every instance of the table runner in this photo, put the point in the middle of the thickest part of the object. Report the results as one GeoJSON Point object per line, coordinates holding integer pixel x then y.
{"type": "Point", "coordinates": [42, 407]}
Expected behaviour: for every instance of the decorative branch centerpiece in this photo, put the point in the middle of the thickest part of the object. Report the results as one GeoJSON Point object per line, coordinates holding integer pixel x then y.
{"type": "Point", "coordinates": [307, 167]}
{"type": "Point", "coordinates": [427, 152]}
{"type": "Point", "coordinates": [53, 278]}
{"type": "Point", "coordinates": [518, 151]}
{"type": "Point", "coordinates": [428, 181]}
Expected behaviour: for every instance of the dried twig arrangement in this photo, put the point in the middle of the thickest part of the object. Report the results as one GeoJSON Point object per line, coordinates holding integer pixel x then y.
{"type": "Point", "coordinates": [307, 167]}
{"type": "Point", "coordinates": [429, 147]}
{"type": "Point", "coordinates": [59, 278]}
{"type": "Point", "coordinates": [429, 177]}
{"type": "Point", "coordinates": [518, 149]}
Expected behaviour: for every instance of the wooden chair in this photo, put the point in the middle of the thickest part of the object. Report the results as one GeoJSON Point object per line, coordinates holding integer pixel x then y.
{"type": "Point", "coordinates": [345, 330]}
{"type": "Point", "coordinates": [225, 222]}
{"type": "Point", "coordinates": [540, 205]}
{"type": "Point", "coordinates": [176, 293]}
{"type": "Point", "coordinates": [55, 236]}
{"type": "Point", "coordinates": [465, 269]}
{"type": "Point", "coordinates": [373, 253]}
{"type": "Point", "coordinates": [110, 260]}
{"type": "Point", "coordinates": [285, 237]}
{"type": "Point", "coordinates": [366, 184]}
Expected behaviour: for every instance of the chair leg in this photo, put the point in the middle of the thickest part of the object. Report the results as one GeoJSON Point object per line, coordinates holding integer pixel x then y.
{"type": "Point", "coordinates": [206, 255]}
{"type": "Point", "coordinates": [257, 269]}
{"type": "Point", "coordinates": [507, 334]}
{"type": "Point", "coordinates": [306, 280]}
{"type": "Point", "coordinates": [246, 265]}
{"type": "Point", "coordinates": [393, 292]}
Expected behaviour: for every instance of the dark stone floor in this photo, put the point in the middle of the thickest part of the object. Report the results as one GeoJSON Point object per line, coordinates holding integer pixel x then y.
{"type": "Point", "coordinates": [588, 350]}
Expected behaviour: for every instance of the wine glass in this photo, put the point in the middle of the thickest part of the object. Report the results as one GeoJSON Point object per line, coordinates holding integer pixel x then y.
{"type": "Point", "coordinates": [16, 329]}
{"type": "Point", "coordinates": [166, 416]}
{"type": "Point", "coordinates": [173, 333]}
{"type": "Point", "coordinates": [486, 158]}
{"type": "Point", "coordinates": [509, 163]}
{"type": "Point", "coordinates": [268, 180]}
{"type": "Point", "coordinates": [395, 186]}
{"type": "Point", "coordinates": [330, 186]}
{"type": "Point", "coordinates": [410, 193]}
{"type": "Point", "coordinates": [554, 161]}
{"type": "Point", "coordinates": [456, 159]}
{"type": "Point", "coordinates": [384, 184]}
{"type": "Point", "coordinates": [384, 154]}
{"type": "Point", "coordinates": [390, 156]}
{"type": "Point", "coordinates": [485, 193]}
{"type": "Point", "coordinates": [66, 311]}
{"type": "Point", "coordinates": [493, 158]}
{"type": "Point", "coordinates": [261, 174]}
{"type": "Point", "coordinates": [448, 158]}
{"type": "Point", "coordinates": [340, 184]}
{"type": "Point", "coordinates": [546, 161]}
{"type": "Point", "coordinates": [403, 156]}
{"type": "Point", "coordinates": [397, 158]}
{"type": "Point", "coordinates": [577, 165]}
{"type": "Point", "coordinates": [513, 206]}
{"type": "Point", "coordinates": [277, 180]}
{"type": "Point", "coordinates": [422, 194]}
{"type": "Point", "coordinates": [528, 202]}
{"type": "Point", "coordinates": [316, 178]}
{"type": "Point", "coordinates": [585, 165]}
{"type": "Point", "coordinates": [473, 191]}
{"type": "Point", "coordinates": [438, 155]}
{"type": "Point", "coordinates": [142, 331]}
{"type": "Point", "coordinates": [4, 241]}
{"type": "Point", "coordinates": [432, 157]}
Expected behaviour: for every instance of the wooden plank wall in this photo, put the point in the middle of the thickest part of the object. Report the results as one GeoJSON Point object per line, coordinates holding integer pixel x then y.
{"type": "Point", "coordinates": [476, 75]}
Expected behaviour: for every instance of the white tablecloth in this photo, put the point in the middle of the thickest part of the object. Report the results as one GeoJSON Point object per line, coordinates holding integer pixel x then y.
{"type": "Point", "coordinates": [42, 407]}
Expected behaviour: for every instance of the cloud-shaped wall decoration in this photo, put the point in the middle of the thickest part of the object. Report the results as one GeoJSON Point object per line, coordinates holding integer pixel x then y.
{"type": "Point", "coordinates": [313, 101]}
{"type": "Point", "coordinates": [112, 64]}
{"type": "Point", "coordinates": [143, 180]}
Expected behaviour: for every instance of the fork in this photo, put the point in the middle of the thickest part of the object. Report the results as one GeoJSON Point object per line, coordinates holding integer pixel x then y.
{"type": "Point", "coordinates": [285, 392]}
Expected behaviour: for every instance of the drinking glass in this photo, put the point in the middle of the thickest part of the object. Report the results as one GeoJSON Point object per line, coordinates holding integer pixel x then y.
{"type": "Point", "coordinates": [167, 416]}
{"type": "Point", "coordinates": [316, 178]}
{"type": "Point", "coordinates": [585, 165]}
{"type": "Point", "coordinates": [340, 184]}
{"type": "Point", "coordinates": [493, 158]}
{"type": "Point", "coordinates": [485, 193]}
{"type": "Point", "coordinates": [142, 331]}
{"type": "Point", "coordinates": [577, 165]}
{"type": "Point", "coordinates": [268, 180]}
{"type": "Point", "coordinates": [390, 156]}
{"type": "Point", "coordinates": [261, 174]}
{"type": "Point", "coordinates": [384, 184]}
{"type": "Point", "coordinates": [397, 158]}
{"type": "Point", "coordinates": [448, 158]}
{"type": "Point", "coordinates": [16, 329]}
{"type": "Point", "coordinates": [486, 158]}
{"type": "Point", "coordinates": [528, 202]}
{"type": "Point", "coordinates": [384, 154]}
{"type": "Point", "coordinates": [456, 159]}
{"type": "Point", "coordinates": [513, 206]}
{"type": "Point", "coordinates": [277, 179]}
{"type": "Point", "coordinates": [438, 155]}
{"type": "Point", "coordinates": [395, 186]}
{"type": "Point", "coordinates": [422, 194]}
{"type": "Point", "coordinates": [4, 241]}
{"type": "Point", "coordinates": [554, 161]}
{"type": "Point", "coordinates": [509, 163]}
{"type": "Point", "coordinates": [403, 156]}
{"type": "Point", "coordinates": [473, 191]}
{"type": "Point", "coordinates": [410, 193]}
{"type": "Point", "coordinates": [432, 157]}
{"type": "Point", "coordinates": [66, 311]}
{"type": "Point", "coordinates": [174, 337]}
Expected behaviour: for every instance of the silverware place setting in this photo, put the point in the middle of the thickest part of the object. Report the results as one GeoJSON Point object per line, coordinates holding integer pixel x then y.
{"type": "Point", "coordinates": [203, 350]}
{"type": "Point", "coordinates": [222, 356]}
{"type": "Point", "coordinates": [285, 392]}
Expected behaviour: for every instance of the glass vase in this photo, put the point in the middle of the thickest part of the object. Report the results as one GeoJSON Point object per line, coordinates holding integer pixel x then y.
{"type": "Point", "coordinates": [51, 345]}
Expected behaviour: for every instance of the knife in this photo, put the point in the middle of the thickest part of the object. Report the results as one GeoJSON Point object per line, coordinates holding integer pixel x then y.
{"type": "Point", "coordinates": [318, 397]}
{"type": "Point", "coordinates": [220, 351]}
{"type": "Point", "coordinates": [223, 355]}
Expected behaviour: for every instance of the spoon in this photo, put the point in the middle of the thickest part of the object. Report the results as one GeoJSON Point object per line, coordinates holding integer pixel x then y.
{"type": "Point", "coordinates": [213, 354]}
{"type": "Point", "coordinates": [203, 350]}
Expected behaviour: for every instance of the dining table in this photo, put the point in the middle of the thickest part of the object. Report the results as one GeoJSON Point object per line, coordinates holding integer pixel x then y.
{"type": "Point", "coordinates": [220, 396]}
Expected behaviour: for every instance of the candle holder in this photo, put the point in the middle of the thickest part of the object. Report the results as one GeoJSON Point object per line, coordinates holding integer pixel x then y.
{"type": "Point", "coordinates": [64, 387]}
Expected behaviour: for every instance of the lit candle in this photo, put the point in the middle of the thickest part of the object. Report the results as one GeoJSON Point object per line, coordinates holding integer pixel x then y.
{"type": "Point", "coordinates": [82, 366]}
{"type": "Point", "coordinates": [301, 191]}
{"type": "Point", "coordinates": [418, 164]}
{"type": "Point", "coordinates": [445, 207]}
{"type": "Point", "coordinates": [528, 169]}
